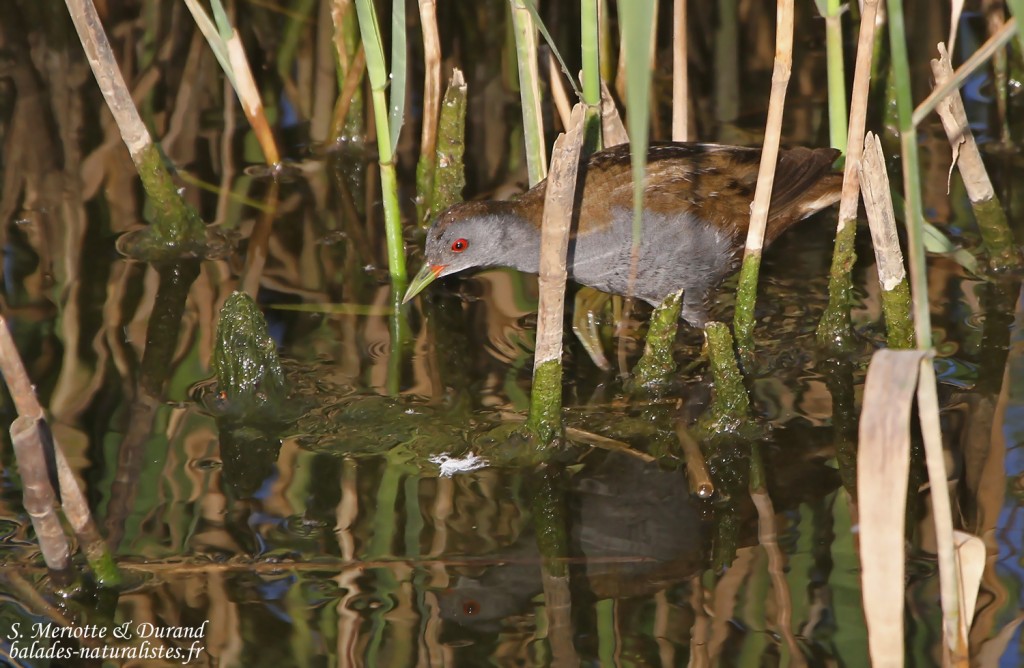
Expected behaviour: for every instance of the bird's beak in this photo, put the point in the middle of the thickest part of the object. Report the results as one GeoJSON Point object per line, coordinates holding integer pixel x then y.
{"type": "Point", "coordinates": [428, 274]}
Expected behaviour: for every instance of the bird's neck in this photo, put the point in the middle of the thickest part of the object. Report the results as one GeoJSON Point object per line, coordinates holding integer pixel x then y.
{"type": "Point", "coordinates": [520, 241]}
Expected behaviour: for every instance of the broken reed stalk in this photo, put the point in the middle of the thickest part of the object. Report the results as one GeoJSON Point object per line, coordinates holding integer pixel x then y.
{"type": "Point", "coordinates": [656, 364]}
{"type": "Point", "coordinates": [176, 227]}
{"type": "Point", "coordinates": [892, 276]}
{"type": "Point", "coordinates": [546, 396]}
{"type": "Point", "coordinates": [834, 328]}
{"type": "Point", "coordinates": [995, 231]}
{"type": "Point", "coordinates": [39, 499]}
{"type": "Point", "coordinates": [697, 473]}
{"type": "Point", "coordinates": [680, 77]}
{"type": "Point", "coordinates": [612, 129]}
{"type": "Point", "coordinates": [226, 45]}
{"type": "Point", "coordinates": [431, 106]}
{"type": "Point", "coordinates": [529, 91]}
{"type": "Point", "coordinates": [731, 405]}
{"type": "Point", "coordinates": [450, 179]}
{"type": "Point", "coordinates": [746, 293]}
{"type": "Point", "coordinates": [28, 435]}
{"type": "Point", "coordinates": [369, 30]}
{"type": "Point", "coordinates": [966, 69]}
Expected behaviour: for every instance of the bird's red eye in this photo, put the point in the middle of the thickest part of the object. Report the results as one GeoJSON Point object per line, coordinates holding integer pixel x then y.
{"type": "Point", "coordinates": [470, 608]}
{"type": "Point", "coordinates": [460, 245]}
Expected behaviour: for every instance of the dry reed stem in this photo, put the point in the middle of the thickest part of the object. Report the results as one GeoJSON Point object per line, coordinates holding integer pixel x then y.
{"type": "Point", "coordinates": [558, 609]}
{"type": "Point", "coordinates": [249, 96]}
{"type": "Point", "coordinates": [950, 585]}
{"type": "Point", "coordinates": [612, 129]}
{"type": "Point", "coordinates": [353, 77]}
{"type": "Point", "coordinates": [108, 75]}
{"type": "Point", "coordinates": [968, 67]}
{"type": "Point", "coordinates": [558, 93]}
{"type": "Point", "coordinates": [696, 467]}
{"type": "Point", "coordinates": [431, 77]}
{"type": "Point", "coordinates": [680, 76]}
{"type": "Point", "coordinates": [773, 128]}
{"type": "Point", "coordinates": [557, 220]}
{"type": "Point", "coordinates": [747, 290]}
{"type": "Point", "coordinates": [874, 183]}
{"type": "Point", "coordinates": [954, 121]}
{"type": "Point", "coordinates": [38, 498]}
{"type": "Point", "coordinates": [992, 223]}
{"type": "Point", "coordinates": [858, 115]}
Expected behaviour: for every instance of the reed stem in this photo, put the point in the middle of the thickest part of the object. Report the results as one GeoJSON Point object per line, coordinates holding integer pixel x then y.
{"type": "Point", "coordinates": [834, 329]}
{"type": "Point", "coordinates": [529, 91]}
{"type": "Point", "coordinates": [747, 292]}
{"type": "Point", "coordinates": [377, 69]}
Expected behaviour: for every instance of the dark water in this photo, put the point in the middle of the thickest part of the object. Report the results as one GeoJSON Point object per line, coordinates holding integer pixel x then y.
{"type": "Point", "coordinates": [320, 533]}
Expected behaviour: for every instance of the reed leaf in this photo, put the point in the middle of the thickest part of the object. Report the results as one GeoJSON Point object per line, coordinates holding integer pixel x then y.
{"type": "Point", "coordinates": [399, 70]}
{"type": "Point", "coordinates": [636, 22]}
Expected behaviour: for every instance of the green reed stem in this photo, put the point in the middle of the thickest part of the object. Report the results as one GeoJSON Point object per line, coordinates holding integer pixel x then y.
{"type": "Point", "coordinates": [377, 69]}
{"type": "Point", "coordinates": [529, 91]}
{"type": "Point", "coordinates": [590, 52]}
{"type": "Point", "coordinates": [836, 75]}
{"type": "Point", "coordinates": [911, 174]}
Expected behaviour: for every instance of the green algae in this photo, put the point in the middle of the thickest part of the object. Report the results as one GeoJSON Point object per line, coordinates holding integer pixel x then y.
{"type": "Point", "coordinates": [654, 367]}
{"type": "Point", "coordinates": [441, 178]}
{"type": "Point", "coordinates": [245, 357]}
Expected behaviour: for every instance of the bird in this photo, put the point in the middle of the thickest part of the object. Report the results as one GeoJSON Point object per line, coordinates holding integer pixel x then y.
{"type": "Point", "coordinates": [696, 210]}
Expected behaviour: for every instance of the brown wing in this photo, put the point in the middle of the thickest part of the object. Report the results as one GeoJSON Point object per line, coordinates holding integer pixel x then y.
{"type": "Point", "coordinates": [712, 181]}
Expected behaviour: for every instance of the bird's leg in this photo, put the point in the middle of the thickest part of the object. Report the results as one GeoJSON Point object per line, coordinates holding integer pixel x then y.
{"type": "Point", "coordinates": [588, 304]}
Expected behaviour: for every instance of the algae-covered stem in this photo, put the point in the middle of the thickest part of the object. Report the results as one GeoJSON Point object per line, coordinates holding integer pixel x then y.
{"type": "Point", "coordinates": [449, 181]}
{"type": "Point", "coordinates": [747, 290]}
{"type": "Point", "coordinates": [176, 225]}
{"type": "Point", "coordinates": [892, 276]}
{"type": "Point", "coordinates": [834, 328]}
{"type": "Point", "coordinates": [546, 397]}
{"type": "Point", "coordinates": [427, 164]}
{"type": "Point", "coordinates": [995, 230]}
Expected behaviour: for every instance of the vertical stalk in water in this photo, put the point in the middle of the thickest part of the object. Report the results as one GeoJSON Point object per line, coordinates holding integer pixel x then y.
{"type": "Point", "coordinates": [834, 328]}
{"type": "Point", "coordinates": [927, 402]}
{"type": "Point", "coordinates": [546, 397]}
{"type": "Point", "coordinates": [746, 293]}
{"type": "Point", "coordinates": [386, 138]}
